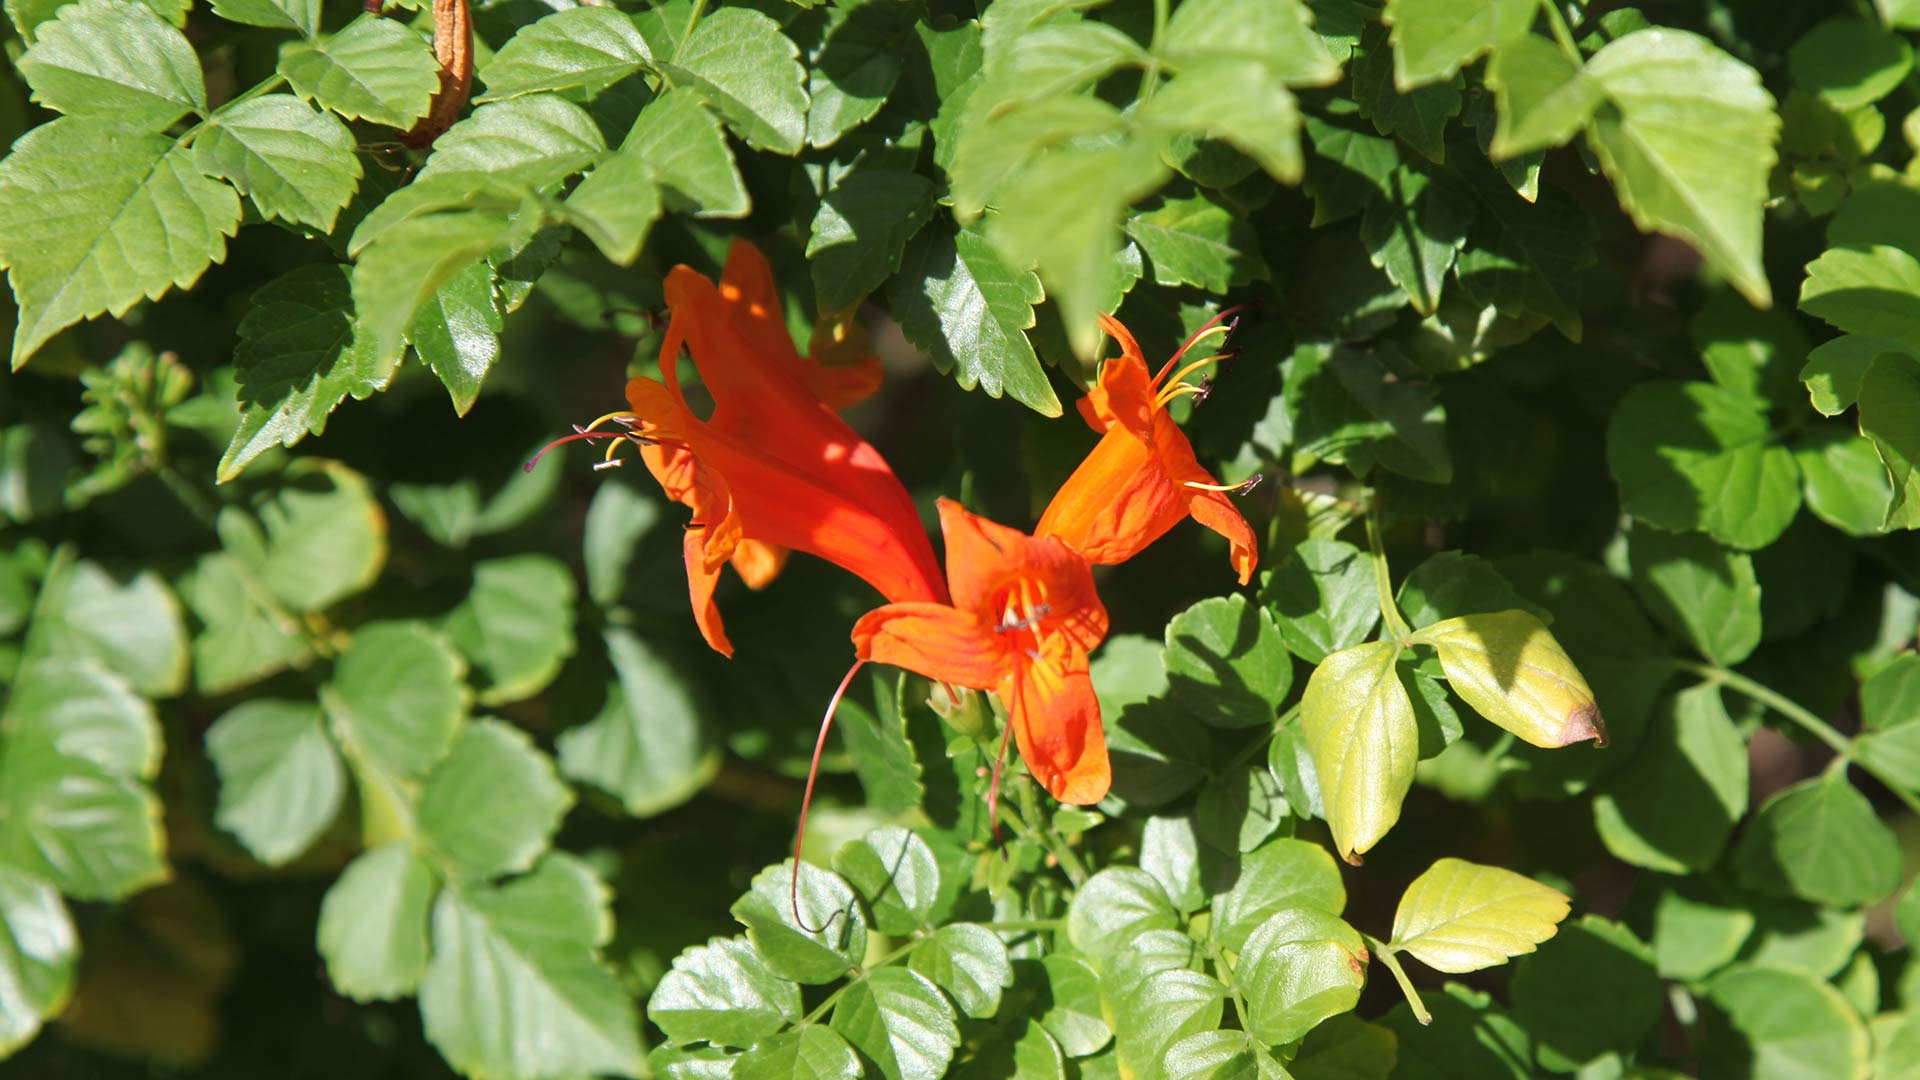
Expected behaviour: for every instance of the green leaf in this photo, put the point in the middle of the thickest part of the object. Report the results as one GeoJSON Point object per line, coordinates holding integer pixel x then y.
{"type": "Point", "coordinates": [38, 953]}
{"type": "Point", "coordinates": [1322, 598]}
{"type": "Point", "coordinates": [456, 330]}
{"type": "Point", "coordinates": [1590, 990]}
{"type": "Point", "coordinates": [859, 62]}
{"type": "Point", "coordinates": [294, 161]}
{"type": "Point", "coordinates": [1700, 590]}
{"type": "Point", "coordinates": [1433, 39]}
{"type": "Point", "coordinates": [1050, 62]}
{"type": "Point", "coordinates": [1356, 412]}
{"type": "Point", "coordinates": [1698, 929]}
{"type": "Point", "coordinates": [536, 140]}
{"type": "Point", "coordinates": [1800, 936]}
{"type": "Point", "coordinates": [748, 70]}
{"type": "Point", "coordinates": [1220, 1055]}
{"type": "Point", "coordinates": [1017, 1048]}
{"type": "Point", "coordinates": [1763, 1022]}
{"type": "Point", "coordinates": [901, 1022]}
{"type": "Point", "coordinates": [1298, 968]}
{"type": "Point", "coordinates": [373, 924]}
{"type": "Point", "coordinates": [132, 629]}
{"type": "Point", "coordinates": [1170, 851]}
{"type": "Point", "coordinates": [1691, 455]}
{"type": "Point", "coordinates": [1243, 103]}
{"type": "Point", "coordinates": [1890, 715]}
{"type": "Point", "coordinates": [1820, 840]}
{"type": "Point", "coordinates": [1844, 482]}
{"type": "Point", "coordinates": [1849, 62]}
{"type": "Point", "coordinates": [114, 60]}
{"type": "Point", "coordinates": [300, 15]}
{"type": "Point", "coordinates": [1872, 292]}
{"type": "Point", "coordinates": [1890, 416]}
{"type": "Point", "coordinates": [1159, 1012]}
{"type": "Point", "coordinates": [515, 625]}
{"type": "Point", "coordinates": [1508, 666]}
{"type": "Point", "coordinates": [1542, 97]}
{"type": "Point", "coordinates": [281, 783]}
{"type": "Point", "coordinates": [1415, 233]}
{"type": "Point", "coordinates": [399, 273]}
{"type": "Point", "coordinates": [688, 157]}
{"type": "Point", "coordinates": [861, 231]}
{"type": "Point", "coordinates": [320, 536]}
{"type": "Point", "coordinates": [1459, 916]}
{"type": "Point", "coordinates": [79, 199]}
{"type": "Point", "coordinates": [1688, 145]}
{"type": "Point", "coordinates": [94, 834]}
{"type": "Point", "coordinates": [492, 804]}
{"type": "Point", "coordinates": [397, 698]}
{"type": "Point", "coordinates": [1240, 808]}
{"type": "Point", "coordinates": [811, 1053]}
{"type": "Point", "coordinates": [1418, 117]}
{"type": "Point", "coordinates": [1528, 257]}
{"type": "Point", "coordinates": [375, 70]}
{"type": "Point", "coordinates": [647, 743]}
{"type": "Point", "coordinates": [1468, 1035]}
{"type": "Point", "coordinates": [1282, 873]}
{"type": "Point", "coordinates": [1359, 727]}
{"type": "Point", "coordinates": [1450, 584]}
{"type": "Point", "coordinates": [514, 987]}
{"type": "Point", "coordinates": [958, 300]}
{"type": "Point", "coordinates": [1274, 34]}
{"type": "Point", "coordinates": [895, 872]}
{"type": "Point", "coordinates": [243, 636]}
{"type": "Point", "coordinates": [1073, 1015]}
{"type": "Point", "coordinates": [671, 1062]}
{"type": "Point", "coordinates": [1674, 805]}
{"type": "Point", "coordinates": [1113, 906]}
{"type": "Point", "coordinates": [970, 963]}
{"type": "Point", "coordinates": [1226, 663]}
{"type": "Point", "coordinates": [724, 993]}
{"type": "Point", "coordinates": [1750, 352]}
{"type": "Point", "coordinates": [782, 934]}
{"type": "Point", "coordinates": [616, 205]}
{"type": "Point", "coordinates": [589, 48]}
{"type": "Point", "coordinates": [1346, 1048]}
{"type": "Point", "coordinates": [882, 750]}
{"type": "Point", "coordinates": [298, 358]}
{"type": "Point", "coordinates": [1197, 241]}
{"type": "Point", "coordinates": [73, 707]}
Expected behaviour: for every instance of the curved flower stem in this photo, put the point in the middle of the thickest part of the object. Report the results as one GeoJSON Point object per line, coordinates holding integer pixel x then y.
{"type": "Point", "coordinates": [1800, 715]}
{"type": "Point", "coordinates": [1562, 34]}
{"type": "Point", "coordinates": [1396, 624]}
{"type": "Point", "coordinates": [1384, 953]}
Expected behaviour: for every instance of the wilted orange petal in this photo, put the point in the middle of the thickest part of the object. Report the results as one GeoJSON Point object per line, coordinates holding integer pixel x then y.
{"type": "Point", "coordinates": [1056, 720]}
{"type": "Point", "coordinates": [934, 640]}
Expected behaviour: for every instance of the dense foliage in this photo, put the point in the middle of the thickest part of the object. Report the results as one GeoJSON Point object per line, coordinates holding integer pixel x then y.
{"type": "Point", "coordinates": [1581, 365]}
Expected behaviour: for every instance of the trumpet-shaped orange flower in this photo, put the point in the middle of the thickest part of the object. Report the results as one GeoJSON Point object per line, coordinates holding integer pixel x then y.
{"type": "Point", "coordinates": [773, 467]}
{"type": "Point", "coordinates": [1142, 478]}
{"type": "Point", "coordinates": [1023, 619]}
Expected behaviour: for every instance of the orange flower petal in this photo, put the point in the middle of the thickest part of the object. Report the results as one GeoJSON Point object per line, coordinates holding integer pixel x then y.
{"type": "Point", "coordinates": [934, 640]}
{"type": "Point", "coordinates": [1124, 393]}
{"type": "Point", "coordinates": [701, 581]}
{"type": "Point", "coordinates": [758, 562]}
{"type": "Point", "coordinates": [987, 560]}
{"type": "Point", "coordinates": [1118, 501]}
{"type": "Point", "coordinates": [1056, 720]}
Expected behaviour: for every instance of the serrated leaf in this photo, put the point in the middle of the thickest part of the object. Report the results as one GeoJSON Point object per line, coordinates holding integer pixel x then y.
{"type": "Point", "coordinates": [1227, 663]}
{"type": "Point", "coordinates": [724, 993]}
{"type": "Point", "coordinates": [1356, 412]}
{"type": "Point", "coordinates": [397, 696]}
{"type": "Point", "coordinates": [1197, 241]}
{"type": "Point", "coordinates": [456, 331]}
{"type": "Point", "coordinates": [300, 15]}
{"type": "Point", "coordinates": [1283, 873]}
{"type": "Point", "coordinates": [883, 753]}
{"type": "Point", "coordinates": [1417, 117]}
{"type": "Point", "coordinates": [94, 218]}
{"type": "Point", "coordinates": [491, 806]}
{"type": "Point", "coordinates": [1507, 665]}
{"type": "Point", "coordinates": [94, 834]}
{"type": "Point", "coordinates": [1322, 598]}
{"type": "Point", "coordinates": [993, 150]}
{"type": "Point", "coordinates": [375, 69]}
{"type": "Point", "coordinates": [749, 71]}
{"type": "Point", "coordinates": [616, 205]}
{"type": "Point", "coordinates": [970, 963]}
{"type": "Point", "coordinates": [681, 142]}
{"type": "Point", "coordinates": [901, 1022]}
{"type": "Point", "coordinates": [1050, 61]}
{"type": "Point", "coordinates": [1692, 455]}
{"type": "Point", "coordinates": [1699, 589]}
{"type": "Point", "coordinates": [811, 1053]}
{"type": "Point", "coordinates": [1767, 1022]}
{"type": "Point", "coordinates": [958, 300]}
{"type": "Point", "coordinates": [298, 358]}
{"type": "Point", "coordinates": [1890, 416]}
{"type": "Point", "coordinates": [860, 233]}
{"type": "Point", "coordinates": [647, 743]}
{"type": "Point", "coordinates": [1459, 916]}
{"type": "Point", "coordinates": [1243, 103]}
{"type": "Point", "coordinates": [515, 625]}
{"type": "Point", "coordinates": [589, 48]}
{"type": "Point", "coordinates": [131, 627]}
{"type": "Point", "coordinates": [1433, 39]}
{"type": "Point", "coordinates": [38, 954]}
{"type": "Point", "coordinates": [281, 782]}
{"type": "Point", "coordinates": [294, 161]}
{"type": "Point", "coordinates": [1298, 968]}
{"type": "Point", "coordinates": [1673, 807]}
{"type": "Point", "coordinates": [535, 140]}
{"type": "Point", "coordinates": [1834, 370]}
{"type": "Point", "coordinates": [896, 873]}
{"type": "Point", "coordinates": [1415, 233]}
{"type": "Point", "coordinates": [1541, 97]}
{"type": "Point", "coordinates": [1161, 1010]}
{"type": "Point", "coordinates": [1528, 256]}
{"type": "Point", "coordinates": [859, 62]}
{"type": "Point", "coordinates": [317, 538]}
{"type": "Point", "coordinates": [73, 706]}
{"type": "Point", "coordinates": [1688, 146]}
{"type": "Point", "coordinates": [1114, 905]}
{"type": "Point", "coordinates": [514, 987]}
{"type": "Point", "coordinates": [1872, 292]}
{"type": "Point", "coordinates": [818, 943]}
{"type": "Point", "coordinates": [399, 273]}
{"type": "Point", "coordinates": [1273, 33]}
{"type": "Point", "coordinates": [114, 60]}
{"type": "Point", "coordinates": [373, 924]}
{"type": "Point", "coordinates": [1221, 1055]}
{"type": "Point", "coordinates": [1360, 729]}
{"type": "Point", "coordinates": [242, 637]}
{"type": "Point", "coordinates": [1820, 840]}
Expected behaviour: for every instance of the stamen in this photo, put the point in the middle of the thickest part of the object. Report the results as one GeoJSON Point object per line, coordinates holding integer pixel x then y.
{"type": "Point", "coordinates": [806, 802]}
{"type": "Point", "coordinates": [1240, 488]}
{"type": "Point", "coordinates": [575, 437]}
{"type": "Point", "coordinates": [1207, 329]}
{"type": "Point", "coordinates": [1009, 623]}
{"type": "Point", "coordinates": [620, 416]}
{"type": "Point", "coordinates": [609, 463]}
{"type": "Point", "coordinates": [1179, 390]}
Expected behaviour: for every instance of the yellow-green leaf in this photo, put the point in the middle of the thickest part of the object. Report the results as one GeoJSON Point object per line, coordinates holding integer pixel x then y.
{"type": "Point", "coordinates": [1360, 730]}
{"type": "Point", "coordinates": [1461, 916]}
{"type": "Point", "coordinates": [1508, 666]}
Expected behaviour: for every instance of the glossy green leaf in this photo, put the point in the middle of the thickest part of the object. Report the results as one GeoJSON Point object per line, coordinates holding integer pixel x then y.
{"type": "Point", "coordinates": [1700, 590]}
{"type": "Point", "coordinates": [1695, 456]}
{"type": "Point", "coordinates": [901, 1022]}
{"type": "Point", "coordinates": [811, 1053]}
{"type": "Point", "coordinates": [1226, 663]}
{"type": "Point", "coordinates": [456, 331]}
{"type": "Point", "coordinates": [1542, 97]}
{"type": "Point", "coordinates": [1197, 241]}
{"type": "Point", "coordinates": [373, 924]}
{"type": "Point", "coordinates": [956, 298]}
{"type": "Point", "coordinates": [1115, 904]}
{"type": "Point", "coordinates": [1432, 39]}
{"type": "Point", "coordinates": [687, 155]}
{"type": "Point", "coordinates": [1459, 916]}
{"type": "Point", "coordinates": [1674, 806]}
{"type": "Point", "coordinates": [1282, 873]}
{"type": "Point", "coordinates": [400, 273]}
{"type": "Point", "coordinates": [95, 834]}
{"type": "Point", "coordinates": [294, 161]}
{"type": "Point", "coordinates": [1322, 598]}
{"type": "Point", "coordinates": [896, 873]}
{"type": "Point", "coordinates": [860, 234]}
{"type": "Point", "coordinates": [820, 941]}
{"type": "Point", "coordinates": [747, 69]}
{"type": "Point", "coordinates": [1360, 729]}
{"type": "Point", "coordinates": [1170, 852]}
{"type": "Point", "coordinates": [586, 47]}
{"type": "Point", "coordinates": [1820, 840]}
{"type": "Point", "coordinates": [724, 993]}
{"type": "Point", "coordinates": [492, 804]}
{"type": "Point", "coordinates": [38, 954]}
{"type": "Point", "coordinates": [1764, 1022]}
{"type": "Point", "coordinates": [1073, 1016]}
{"type": "Point", "coordinates": [375, 69]}
{"type": "Point", "coordinates": [970, 963]}
{"type": "Point", "coordinates": [516, 625]}
{"type": "Point", "coordinates": [1273, 34]}
{"type": "Point", "coordinates": [860, 60]}
{"type": "Point", "coordinates": [300, 15]}
{"type": "Point", "coordinates": [1298, 968]}
{"type": "Point", "coordinates": [1220, 1055]}
{"type": "Point", "coordinates": [281, 781]}
{"type": "Point", "coordinates": [115, 61]}
{"type": "Point", "coordinates": [1161, 1010]}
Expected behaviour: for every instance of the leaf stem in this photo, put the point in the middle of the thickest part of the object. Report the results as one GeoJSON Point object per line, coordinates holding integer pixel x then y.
{"type": "Point", "coordinates": [1232, 979]}
{"type": "Point", "coordinates": [1396, 624]}
{"type": "Point", "coordinates": [1384, 953]}
{"type": "Point", "coordinates": [1800, 715]}
{"type": "Point", "coordinates": [1057, 846]}
{"type": "Point", "coordinates": [859, 976]}
{"type": "Point", "coordinates": [1557, 22]}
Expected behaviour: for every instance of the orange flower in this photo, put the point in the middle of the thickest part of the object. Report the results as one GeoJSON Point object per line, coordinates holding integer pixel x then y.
{"type": "Point", "coordinates": [774, 467]}
{"type": "Point", "coordinates": [1023, 619]}
{"type": "Point", "coordinates": [1142, 478]}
